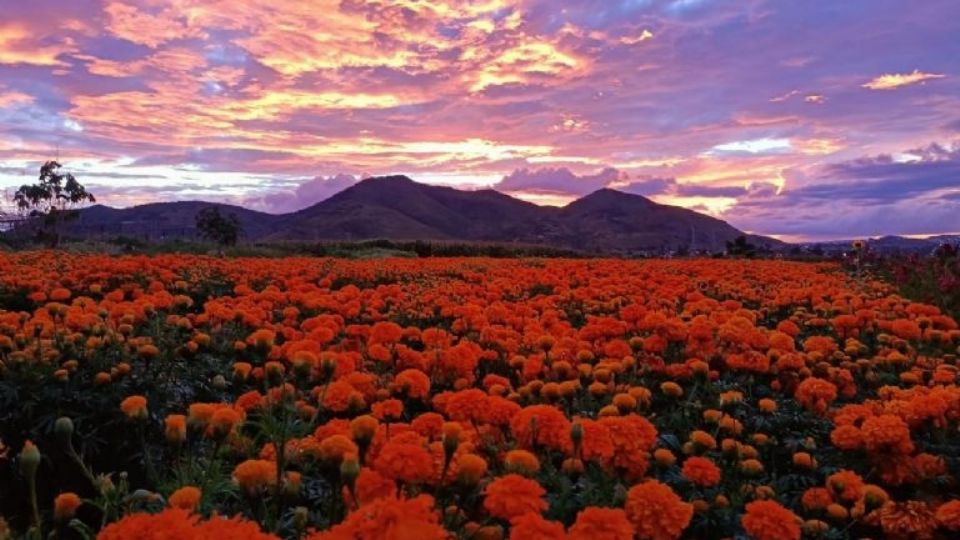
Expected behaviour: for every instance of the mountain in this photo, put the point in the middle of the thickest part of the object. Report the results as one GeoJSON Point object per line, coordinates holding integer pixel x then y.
{"type": "Point", "coordinates": [397, 208]}
{"type": "Point", "coordinates": [889, 244]}
{"type": "Point", "coordinates": [613, 221]}
{"type": "Point", "coordinates": [159, 221]}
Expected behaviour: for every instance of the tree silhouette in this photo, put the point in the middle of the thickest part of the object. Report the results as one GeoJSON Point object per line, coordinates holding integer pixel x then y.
{"type": "Point", "coordinates": [740, 247]}
{"type": "Point", "coordinates": [214, 226]}
{"type": "Point", "coordinates": [51, 201]}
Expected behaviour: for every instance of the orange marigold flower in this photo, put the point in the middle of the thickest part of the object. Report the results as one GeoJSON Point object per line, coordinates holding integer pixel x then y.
{"type": "Point", "coordinates": [175, 428]}
{"type": "Point", "coordinates": [199, 414]}
{"type": "Point", "coordinates": [906, 329]}
{"type": "Point", "coordinates": [339, 395]}
{"type": "Point", "coordinates": [847, 485]}
{"type": "Point", "coordinates": [948, 515]}
{"type": "Point", "coordinates": [262, 338]}
{"type": "Point", "coordinates": [224, 421]}
{"type": "Point", "coordinates": [656, 512]}
{"type": "Point", "coordinates": [847, 437]}
{"type": "Point", "coordinates": [135, 407]}
{"type": "Point", "coordinates": [410, 463]}
{"type": "Point", "coordinates": [388, 410]}
{"type": "Point", "coordinates": [701, 471]}
{"type": "Point", "coordinates": [467, 405]}
{"type": "Point", "coordinates": [816, 498]}
{"type": "Point", "coordinates": [532, 526]}
{"type": "Point", "coordinates": [233, 528]}
{"type": "Point", "coordinates": [363, 428]}
{"type": "Point", "coordinates": [254, 475]}
{"type": "Point", "coordinates": [664, 457]}
{"type": "Point", "coordinates": [633, 438]}
{"type": "Point", "coordinates": [412, 383]}
{"type": "Point", "coordinates": [767, 405]}
{"type": "Point", "coordinates": [470, 468]}
{"type": "Point", "coordinates": [887, 432]}
{"type": "Point", "coordinates": [671, 389]}
{"type": "Point", "coordinates": [768, 520]}
{"type": "Point", "coordinates": [815, 394]}
{"type": "Point", "coordinates": [186, 498]}
{"type": "Point", "coordinates": [522, 462]}
{"type": "Point", "coordinates": [703, 439]}
{"type": "Point", "coordinates": [389, 518]}
{"type": "Point", "coordinates": [60, 294]}
{"type": "Point", "coordinates": [371, 486]}
{"type": "Point", "coordinates": [171, 523]}
{"type": "Point", "coordinates": [513, 495]}
{"type": "Point", "coordinates": [65, 506]}
{"type": "Point", "coordinates": [180, 524]}
{"type": "Point", "coordinates": [541, 425]}
{"type": "Point", "coordinates": [911, 520]}
{"type": "Point", "coordinates": [594, 523]}
{"type": "Point", "coordinates": [335, 448]}
{"type": "Point", "coordinates": [596, 443]}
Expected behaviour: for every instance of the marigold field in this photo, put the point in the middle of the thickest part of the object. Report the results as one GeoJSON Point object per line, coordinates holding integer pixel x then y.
{"type": "Point", "coordinates": [183, 397]}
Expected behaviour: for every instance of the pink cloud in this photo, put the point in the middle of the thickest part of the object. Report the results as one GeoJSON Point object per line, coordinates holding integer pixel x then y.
{"type": "Point", "coordinates": [543, 102]}
{"type": "Point", "coordinates": [304, 195]}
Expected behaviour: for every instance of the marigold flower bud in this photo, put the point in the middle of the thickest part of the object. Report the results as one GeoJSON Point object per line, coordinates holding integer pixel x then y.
{"type": "Point", "coordinates": [63, 429]}
{"type": "Point", "coordinates": [65, 506]}
{"type": "Point", "coordinates": [29, 459]}
{"type": "Point", "coordinates": [135, 407]}
{"type": "Point", "coordinates": [572, 467]}
{"type": "Point", "coordinates": [187, 498]}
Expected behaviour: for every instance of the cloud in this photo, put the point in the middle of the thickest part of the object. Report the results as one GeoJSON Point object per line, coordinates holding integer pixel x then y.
{"type": "Point", "coordinates": [670, 188]}
{"type": "Point", "coordinates": [151, 28]}
{"type": "Point", "coordinates": [305, 194]}
{"type": "Point", "coordinates": [911, 193]}
{"type": "Point", "coordinates": [633, 40]}
{"type": "Point", "coordinates": [650, 186]}
{"type": "Point", "coordinates": [12, 98]}
{"type": "Point", "coordinates": [558, 180]}
{"type": "Point", "coordinates": [891, 81]}
{"type": "Point", "coordinates": [19, 46]}
{"type": "Point", "coordinates": [754, 146]}
{"type": "Point", "coordinates": [250, 94]}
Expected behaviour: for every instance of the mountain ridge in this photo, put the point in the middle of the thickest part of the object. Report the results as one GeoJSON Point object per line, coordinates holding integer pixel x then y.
{"type": "Point", "coordinates": [398, 208]}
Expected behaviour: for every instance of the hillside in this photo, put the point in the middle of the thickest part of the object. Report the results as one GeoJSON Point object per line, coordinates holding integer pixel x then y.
{"type": "Point", "coordinates": [160, 221]}
{"type": "Point", "coordinates": [397, 208]}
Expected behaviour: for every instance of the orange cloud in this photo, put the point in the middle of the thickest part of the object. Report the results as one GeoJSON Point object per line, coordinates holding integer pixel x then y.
{"type": "Point", "coordinates": [11, 98]}
{"type": "Point", "coordinates": [173, 60]}
{"type": "Point", "coordinates": [132, 23]}
{"type": "Point", "coordinates": [519, 63]}
{"type": "Point", "coordinates": [817, 147]}
{"type": "Point", "coordinates": [633, 40]}
{"type": "Point", "coordinates": [18, 46]}
{"type": "Point", "coordinates": [892, 81]}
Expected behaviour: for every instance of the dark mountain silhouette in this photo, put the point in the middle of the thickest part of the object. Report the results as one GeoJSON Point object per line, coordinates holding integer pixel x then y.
{"type": "Point", "coordinates": [170, 220]}
{"type": "Point", "coordinates": [397, 208]}
{"type": "Point", "coordinates": [609, 221]}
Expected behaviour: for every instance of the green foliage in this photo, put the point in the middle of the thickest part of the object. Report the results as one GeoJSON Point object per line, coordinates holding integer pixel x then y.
{"type": "Point", "coordinates": [224, 230]}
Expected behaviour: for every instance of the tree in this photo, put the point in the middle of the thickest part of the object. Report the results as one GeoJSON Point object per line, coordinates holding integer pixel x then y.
{"type": "Point", "coordinates": [52, 200]}
{"type": "Point", "coordinates": [214, 226]}
{"type": "Point", "coordinates": [740, 247]}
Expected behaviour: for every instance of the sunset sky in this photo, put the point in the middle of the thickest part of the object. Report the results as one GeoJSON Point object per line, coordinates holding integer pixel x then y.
{"type": "Point", "coordinates": [802, 119]}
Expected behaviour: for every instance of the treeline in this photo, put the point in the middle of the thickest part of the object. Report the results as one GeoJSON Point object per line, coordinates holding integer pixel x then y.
{"type": "Point", "coordinates": [346, 249]}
